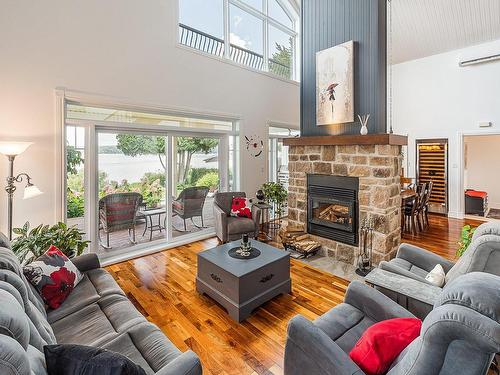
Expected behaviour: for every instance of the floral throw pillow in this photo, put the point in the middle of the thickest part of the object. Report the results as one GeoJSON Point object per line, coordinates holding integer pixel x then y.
{"type": "Point", "coordinates": [240, 207]}
{"type": "Point", "coordinates": [53, 275]}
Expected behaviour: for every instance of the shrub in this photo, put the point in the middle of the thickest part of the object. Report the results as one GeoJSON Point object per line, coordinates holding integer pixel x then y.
{"type": "Point", "coordinates": [196, 173]}
{"type": "Point", "coordinates": [75, 204]}
{"type": "Point", "coordinates": [211, 180]}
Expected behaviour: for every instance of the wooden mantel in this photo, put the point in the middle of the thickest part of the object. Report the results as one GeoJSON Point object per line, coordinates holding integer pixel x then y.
{"type": "Point", "coordinates": [333, 140]}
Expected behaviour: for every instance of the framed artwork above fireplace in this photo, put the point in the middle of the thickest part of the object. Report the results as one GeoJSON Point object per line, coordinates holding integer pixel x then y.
{"type": "Point", "coordinates": [335, 85]}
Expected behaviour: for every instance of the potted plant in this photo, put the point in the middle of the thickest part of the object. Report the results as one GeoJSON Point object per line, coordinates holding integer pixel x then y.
{"type": "Point", "coordinates": [33, 243]}
{"type": "Point", "coordinates": [465, 239]}
{"type": "Point", "coordinates": [276, 195]}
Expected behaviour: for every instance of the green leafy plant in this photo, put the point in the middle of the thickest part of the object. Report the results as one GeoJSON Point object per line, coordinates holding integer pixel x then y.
{"type": "Point", "coordinates": [75, 204]}
{"type": "Point", "coordinates": [73, 159]}
{"type": "Point", "coordinates": [210, 180]}
{"type": "Point", "coordinates": [33, 243]}
{"type": "Point", "coordinates": [275, 194]}
{"type": "Point", "coordinates": [465, 239]}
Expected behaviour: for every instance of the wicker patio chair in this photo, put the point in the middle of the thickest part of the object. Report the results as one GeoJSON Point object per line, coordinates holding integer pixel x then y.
{"type": "Point", "coordinates": [118, 212]}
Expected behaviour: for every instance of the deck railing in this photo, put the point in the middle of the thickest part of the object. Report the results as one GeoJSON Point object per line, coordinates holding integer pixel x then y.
{"type": "Point", "coordinates": [199, 40]}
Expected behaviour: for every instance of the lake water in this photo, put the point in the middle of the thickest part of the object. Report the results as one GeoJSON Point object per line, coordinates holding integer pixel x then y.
{"type": "Point", "coordinates": [120, 167]}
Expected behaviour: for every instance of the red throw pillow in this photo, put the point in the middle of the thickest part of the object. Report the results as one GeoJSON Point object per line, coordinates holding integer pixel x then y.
{"type": "Point", "coordinates": [240, 207]}
{"type": "Point", "coordinates": [53, 275]}
{"type": "Point", "coordinates": [383, 342]}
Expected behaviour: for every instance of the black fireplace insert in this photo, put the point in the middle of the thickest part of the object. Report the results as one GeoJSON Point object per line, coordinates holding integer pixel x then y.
{"type": "Point", "coordinates": [332, 207]}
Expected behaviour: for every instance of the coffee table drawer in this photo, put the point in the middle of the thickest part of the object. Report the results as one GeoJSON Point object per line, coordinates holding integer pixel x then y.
{"type": "Point", "coordinates": [219, 279]}
{"type": "Point", "coordinates": [264, 279]}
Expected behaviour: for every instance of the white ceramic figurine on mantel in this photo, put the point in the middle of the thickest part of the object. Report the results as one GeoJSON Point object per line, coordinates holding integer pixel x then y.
{"type": "Point", "coordinates": [363, 119]}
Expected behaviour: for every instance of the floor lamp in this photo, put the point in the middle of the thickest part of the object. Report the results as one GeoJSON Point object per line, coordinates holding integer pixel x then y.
{"type": "Point", "coordinates": [11, 150]}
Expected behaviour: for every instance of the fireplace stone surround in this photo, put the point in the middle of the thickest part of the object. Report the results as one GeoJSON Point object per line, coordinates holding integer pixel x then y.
{"type": "Point", "coordinates": [376, 161]}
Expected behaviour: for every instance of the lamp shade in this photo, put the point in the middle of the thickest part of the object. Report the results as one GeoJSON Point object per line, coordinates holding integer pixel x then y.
{"type": "Point", "coordinates": [13, 148]}
{"type": "Point", "coordinates": [31, 191]}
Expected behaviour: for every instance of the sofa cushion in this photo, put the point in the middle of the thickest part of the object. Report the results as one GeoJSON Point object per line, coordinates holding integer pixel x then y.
{"type": "Point", "coordinates": [53, 275]}
{"type": "Point", "coordinates": [483, 255]}
{"type": "Point", "coordinates": [474, 291]}
{"type": "Point", "coordinates": [10, 262]}
{"type": "Point", "coordinates": [96, 283]}
{"type": "Point", "coordinates": [240, 225]}
{"type": "Point", "coordinates": [40, 331]}
{"type": "Point", "coordinates": [145, 345]}
{"type": "Point", "coordinates": [87, 360]}
{"type": "Point", "coordinates": [13, 320]}
{"type": "Point", "coordinates": [404, 264]}
{"type": "Point", "coordinates": [4, 241]}
{"type": "Point", "coordinates": [344, 324]}
{"type": "Point", "coordinates": [98, 322]}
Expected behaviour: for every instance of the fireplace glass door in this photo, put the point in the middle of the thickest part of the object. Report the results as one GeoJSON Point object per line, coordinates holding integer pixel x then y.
{"type": "Point", "coordinates": [332, 213]}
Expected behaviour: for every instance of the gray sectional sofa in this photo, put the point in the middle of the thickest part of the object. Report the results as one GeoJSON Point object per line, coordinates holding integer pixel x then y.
{"type": "Point", "coordinates": [460, 336]}
{"type": "Point", "coordinates": [96, 313]}
{"type": "Point", "coordinates": [482, 255]}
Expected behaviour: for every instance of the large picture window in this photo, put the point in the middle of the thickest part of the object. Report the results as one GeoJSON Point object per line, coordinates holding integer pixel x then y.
{"type": "Point", "coordinates": [260, 34]}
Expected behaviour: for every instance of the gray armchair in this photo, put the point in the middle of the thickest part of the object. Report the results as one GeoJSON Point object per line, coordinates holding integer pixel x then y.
{"type": "Point", "coordinates": [460, 336]}
{"type": "Point", "coordinates": [230, 228]}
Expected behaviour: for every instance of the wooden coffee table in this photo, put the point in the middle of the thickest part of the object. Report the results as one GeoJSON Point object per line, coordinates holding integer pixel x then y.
{"type": "Point", "coordinates": [242, 285]}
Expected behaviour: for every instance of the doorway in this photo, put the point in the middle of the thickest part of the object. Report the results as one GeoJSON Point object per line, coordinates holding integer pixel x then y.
{"type": "Point", "coordinates": [480, 182]}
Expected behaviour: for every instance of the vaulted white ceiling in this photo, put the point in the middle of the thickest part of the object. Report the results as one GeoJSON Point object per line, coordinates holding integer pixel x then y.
{"type": "Point", "coordinates": [423, 28]}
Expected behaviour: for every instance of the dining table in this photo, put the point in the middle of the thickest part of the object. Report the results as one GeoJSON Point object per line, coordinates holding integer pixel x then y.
{"type": "Point", "coordinates": [407, 195]}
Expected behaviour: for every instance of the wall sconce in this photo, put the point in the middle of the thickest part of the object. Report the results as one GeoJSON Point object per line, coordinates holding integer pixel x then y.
{"type": "Point", "coordinates": [11, 150]}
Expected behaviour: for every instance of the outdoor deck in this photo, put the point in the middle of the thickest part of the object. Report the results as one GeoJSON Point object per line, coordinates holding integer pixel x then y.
{"type": "Point", "coordinates": [120, 240]}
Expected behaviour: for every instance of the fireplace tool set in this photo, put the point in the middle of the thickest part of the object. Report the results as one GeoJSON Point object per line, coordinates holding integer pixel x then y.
{"type": "Point", "coordinates": [365, 248]}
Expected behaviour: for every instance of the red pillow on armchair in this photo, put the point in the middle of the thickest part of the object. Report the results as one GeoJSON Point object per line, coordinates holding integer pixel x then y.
{"type": "Point", "coordinates": [240, 207]}
{"type": "Point", "coordinates": [383, 342]}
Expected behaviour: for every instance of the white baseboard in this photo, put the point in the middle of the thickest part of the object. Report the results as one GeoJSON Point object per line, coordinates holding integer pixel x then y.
{"type": "Point", "coordinates": [456, 214]}
{"type": "Point", "coordinates": [153, 247]}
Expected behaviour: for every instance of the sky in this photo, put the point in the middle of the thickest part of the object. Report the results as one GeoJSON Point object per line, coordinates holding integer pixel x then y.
{"type": "Point", "coordinates": [245, 29]}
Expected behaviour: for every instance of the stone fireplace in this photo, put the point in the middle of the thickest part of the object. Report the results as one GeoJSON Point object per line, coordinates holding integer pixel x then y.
{"type": "Point", "coordinates": [332, 207]}
{"type": "Point", "coordinates": [338, 182]}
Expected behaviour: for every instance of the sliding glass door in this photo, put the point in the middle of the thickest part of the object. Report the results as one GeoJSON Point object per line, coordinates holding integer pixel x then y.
{"type": "Point", "coordinates": [138, 187]}
{"type": "Point", "coordinates": [198, 166]}
{"type": "Point", "coordinates": [131, 188]}
{"type": "Point", "coordinates": [137, 180]}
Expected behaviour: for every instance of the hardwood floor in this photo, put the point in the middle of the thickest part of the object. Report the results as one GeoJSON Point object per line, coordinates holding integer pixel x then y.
{"type": "Point", "coordinates": [162, 287]}
{"type": "Point", "coordinates": [442, 235]}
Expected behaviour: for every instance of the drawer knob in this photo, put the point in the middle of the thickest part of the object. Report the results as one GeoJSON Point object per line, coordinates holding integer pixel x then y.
{"type": "Point", "coordinates": [216, 278]}
{"type": "Point", "coordinates": [266, 278]}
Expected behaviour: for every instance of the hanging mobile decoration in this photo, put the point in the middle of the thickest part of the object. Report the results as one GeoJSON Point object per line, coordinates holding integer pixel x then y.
{"type": "Point", "coordinates": [255, 145]}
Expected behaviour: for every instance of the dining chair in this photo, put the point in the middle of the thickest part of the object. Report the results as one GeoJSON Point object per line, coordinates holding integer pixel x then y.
{"type": "Point", "coordinates": [411, 211]}
{"type": "Point", "coordinates": [422, 200]}
{"type": "Point", "coordinates": [430, 185]}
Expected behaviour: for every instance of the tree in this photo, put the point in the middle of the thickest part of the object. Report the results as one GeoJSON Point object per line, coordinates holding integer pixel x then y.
{"type": "Point", "coordinates": [73, 159]}
{"type": "Point", "coordinates": [282, 60]}
{"type": "Point", "coordinates": [133, 145]}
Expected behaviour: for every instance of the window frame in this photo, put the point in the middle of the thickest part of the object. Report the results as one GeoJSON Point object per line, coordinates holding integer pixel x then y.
{"type": "Point", "coordinates": [266, 21]}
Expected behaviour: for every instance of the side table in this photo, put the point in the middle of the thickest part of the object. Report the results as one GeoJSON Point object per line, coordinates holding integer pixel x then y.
{"type": "Point", "coordinates": [415, 296]}
{"type": "Point", "coordinates": [264, 213]}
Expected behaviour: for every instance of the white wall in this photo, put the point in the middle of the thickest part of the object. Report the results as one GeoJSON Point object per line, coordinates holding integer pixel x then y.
{"type": "Point", "coordinates": [118, 48]}
{"type": "Point", "coordinates": [434, 98]}
{"type": "Point", "coordinates": [482, 162]}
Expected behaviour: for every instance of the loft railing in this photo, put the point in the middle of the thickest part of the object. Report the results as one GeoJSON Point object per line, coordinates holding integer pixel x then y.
{"type": "Point", "coordinates": [215, 46]}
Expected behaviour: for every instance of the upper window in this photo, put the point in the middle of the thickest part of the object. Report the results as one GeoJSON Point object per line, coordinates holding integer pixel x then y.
{"type": "Point", "coordinates": [260, 34]}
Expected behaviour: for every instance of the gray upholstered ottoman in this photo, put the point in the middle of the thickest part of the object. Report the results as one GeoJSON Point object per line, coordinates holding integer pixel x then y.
{"type": "Point", "coordinates": [241, 285]}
